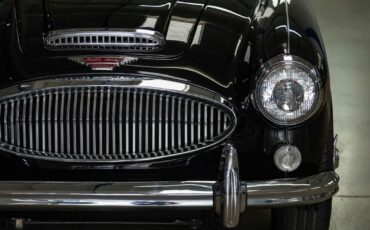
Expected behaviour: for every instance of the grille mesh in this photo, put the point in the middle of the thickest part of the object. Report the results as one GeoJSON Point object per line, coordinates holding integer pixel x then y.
{"type": "Point", "coordinates": [106, 123]}
{"type": "Point", "coordinates": [104, 40]}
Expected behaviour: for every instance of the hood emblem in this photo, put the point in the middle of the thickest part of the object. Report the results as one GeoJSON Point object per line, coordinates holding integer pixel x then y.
{"type": "Point", "coordinates": [106, 63]}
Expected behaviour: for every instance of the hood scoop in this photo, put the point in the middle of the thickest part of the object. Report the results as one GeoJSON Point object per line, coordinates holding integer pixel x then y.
{"type": "Point", "coordinates": [129, 40]}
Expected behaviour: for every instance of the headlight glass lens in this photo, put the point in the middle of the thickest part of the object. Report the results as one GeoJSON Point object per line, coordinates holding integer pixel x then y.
{"type": "Point", "coordinates": [288, 92]}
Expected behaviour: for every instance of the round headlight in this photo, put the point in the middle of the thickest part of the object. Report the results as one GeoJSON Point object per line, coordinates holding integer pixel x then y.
{"type": "Point", "coordinates": [288, 90]}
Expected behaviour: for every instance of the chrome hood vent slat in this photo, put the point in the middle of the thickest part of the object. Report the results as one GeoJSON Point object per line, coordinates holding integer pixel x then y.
{"type": "Point", "coordinates": [111, 121]}
{"type": "Point", "coordinates": [102, 40]}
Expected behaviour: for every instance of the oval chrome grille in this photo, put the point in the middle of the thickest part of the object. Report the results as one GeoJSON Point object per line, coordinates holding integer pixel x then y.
{"type": "Point", "coordinates": [113, 40]}
{"type": "Point", "coordinates": [87, 122]}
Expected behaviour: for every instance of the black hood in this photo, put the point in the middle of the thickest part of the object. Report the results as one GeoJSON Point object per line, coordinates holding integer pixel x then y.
{"type": "Point", "coordinates": [207, 42]}
{"type": "Point", "coordinates": [36, 19]}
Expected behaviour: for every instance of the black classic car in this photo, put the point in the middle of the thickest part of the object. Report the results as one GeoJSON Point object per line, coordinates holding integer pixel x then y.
{"type": "Point", "coordinates": [164, 113]}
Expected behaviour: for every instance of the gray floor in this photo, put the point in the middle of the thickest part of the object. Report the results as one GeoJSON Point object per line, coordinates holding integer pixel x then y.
{"type": "Point", "coordinates": [346, 31]}
{"type": "Point", "coordinates": [345, 26]}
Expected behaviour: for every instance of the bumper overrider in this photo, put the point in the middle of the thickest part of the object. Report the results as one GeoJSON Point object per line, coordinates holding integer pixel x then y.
{"type": "Point", "coordinates": [228, 197]}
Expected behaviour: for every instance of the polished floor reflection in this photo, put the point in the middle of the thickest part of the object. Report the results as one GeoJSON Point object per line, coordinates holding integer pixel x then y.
{"type": "Point", "coordinates": [346, 31]}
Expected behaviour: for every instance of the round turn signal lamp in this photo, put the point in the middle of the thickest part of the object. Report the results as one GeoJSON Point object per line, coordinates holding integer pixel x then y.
{"type": "Point", "coordinates": [288, 158]}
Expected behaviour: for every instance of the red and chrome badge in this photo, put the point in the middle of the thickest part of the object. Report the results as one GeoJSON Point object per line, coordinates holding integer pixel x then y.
{"type": "Point", "coordinates": [107, 63]}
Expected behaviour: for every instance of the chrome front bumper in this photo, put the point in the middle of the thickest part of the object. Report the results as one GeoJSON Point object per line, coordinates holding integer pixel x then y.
{"type": "Point", "coordinates": [228, 197]}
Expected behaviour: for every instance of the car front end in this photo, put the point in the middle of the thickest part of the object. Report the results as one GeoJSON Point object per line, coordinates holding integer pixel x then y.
{"type": "Point", "coordinates": [162, 112]}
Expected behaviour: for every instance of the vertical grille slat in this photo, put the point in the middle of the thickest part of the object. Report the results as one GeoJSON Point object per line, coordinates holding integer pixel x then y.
{"type": "Point", "coordinates": [81, 122]}
{"type": "Point", "coordinates": [179, 131]}
{"type": "Point", "coordinates": [56, 123]}
{"type": "Point", "coordinates": [24, 122]}
{"type": "Point", "coordinates": [68, 121]}
{"type": "Point", "coordinates": [61, 122]}
{"type": "Point", "coordinates": [49, 134]}
{"type": "Point", "coordinates": [140, 122]}
{"type": "Point", "coordinates": [12, 138]}
{"type": "Point", "coordinates": [6, 122]}
{"type": "Point", "coordinates": [114, 105]}
{"type": "Point", "coordinates": [166, 136]}
{"type": "Point", "coordinates": [173, 124]}
{"type": "Point", "coordinates": [107, 123]}
{"type": "Point", "coordinates": [120, 119]}
{"type": "Point", "coordinates": [18, 120]}
{"type": "Point", "coordinates": [134, 124]}
{"type": "Point", "coordinates": [43, 128]}
{"type": "Point", "coordinates": [153, 122]}
{"type": "Point", "coordinates": [186, 122]}
{"type": "Point", "coordinates": [88, 123]}
{"type": "Point", "coordinates": [37, 122]}
{"type": "Point", "coordinates": [127, 122]}
{"type": "Point", "coordinates": [146, 133]}
{"type": "Point", "coordinates": [74, 122]}
{"type": "Point", "coordinates": [160, 122]}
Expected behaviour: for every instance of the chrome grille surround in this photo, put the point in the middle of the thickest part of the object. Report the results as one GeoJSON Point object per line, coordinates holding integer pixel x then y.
{"type": "Point", "coordinates": [127, 40]}
{"type": "Point", "coordinates": [109, 119]}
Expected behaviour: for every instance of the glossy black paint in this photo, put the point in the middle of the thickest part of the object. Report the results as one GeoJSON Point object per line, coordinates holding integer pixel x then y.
{"type": "Point", "coordinates": [222, 46]}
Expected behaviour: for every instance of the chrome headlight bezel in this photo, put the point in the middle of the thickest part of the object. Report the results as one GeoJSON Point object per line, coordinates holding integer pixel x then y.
{"type": "Point", "coordinates": [280, 62]}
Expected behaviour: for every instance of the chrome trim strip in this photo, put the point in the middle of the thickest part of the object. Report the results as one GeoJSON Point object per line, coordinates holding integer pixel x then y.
{"type": "Point", "coordinates": [97, 196]}
{"type": "Point", "coordinates": [287, 25]}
